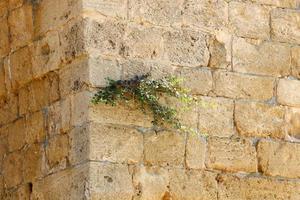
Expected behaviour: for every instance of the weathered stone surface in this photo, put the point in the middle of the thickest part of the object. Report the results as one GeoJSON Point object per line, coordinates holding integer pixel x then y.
{"type": "Point", "coordinates": [293, 122]}
{"type": "Point", "coordinates": [110, 181]}
{"type": "Point", "coordinates": [206, 15]}
{"type": "Point", "coordinates": [296, 62]}
{"type": "Point", "coordinates": [80, 110]}
{"type": "Point", "coordinates": [20, 22]}
{"type": "Point", "coordinates": [231, 155]}
{"type": "Point", "coordinates": [35, 128]}
{"type": "Point", "coordinates": [216, 116]}
{"type": "Point", "coordinates": [3, 8]}
{"type": "Point", "coordinates": [195, 152]}
{"type": "Point", "coordinates": [288, 92]}
{"type": "Point", "coordinates": [16, 135]}
{"type": "Point", "coordinates": [159, 12]}
{"type": "Point", "coordinates": [233, 187]}
{"type": "Point", "coordinates": [187, 48]}
{"type": "Point", "coordinates": [150, 183]}
{"type": "Point", "coordinates": [192, 184]}
{"type": "Point", "coordinates": [265, 58]}
{"type": "Point", "coordinates": [4, 36]}
{"type": "Point", "coordinates": [33, 162]}
{"type": "Point", "coordinates": [133, 67]}
{"type": "Point", "coordinates": [22, 192]}
{"type": "Point", "coordinates": [285, 25]}
{"type": "Point", "coordinates": [279, 3]}
{"type": "Point", "coordinates": [235, 85]}
{"type": "Point", "coordinates": [249, 20]}
{"type": "Point", "coordinates": [260, 120]}
{"type": "Point", "coordinates": [12, 169]}
{"type": "Point", "coordinates": [115, 144]}
{"type": "Point", "coordinates": [15, 3]}
{"type": "Point", "coordinates": [2, 79]}
{"type": "Point", "coordinates": [279, 158]}
{"type": "Point", "coordinates": [164, 148]}
{"type": "Point", "coordinates": [8, 109]}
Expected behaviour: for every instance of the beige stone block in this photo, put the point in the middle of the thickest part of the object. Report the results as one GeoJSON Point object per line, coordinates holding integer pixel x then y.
{"type": "Point", "coordinates": [160, 12]}
{"type": "Point", "coordinates": [195, 151]}
{"type": "Point", "coordinates": [15, 4]}
{"type": "Point", "coordinates": [288, 92]}
{"type": "Point", "coordinates": [16, 135]}
{"type": "Point", "coordinates": [260, 120]}
{"type": "Point", "coordinates": [57, 150]}
{"type": "Point", "coordinates": [198, 80]}
{"type": "Point", "coordinates": [132, 68]}
{"type": "Point", "coordinates": [216, 116]}
{"type": "Point", "coordinates": [115, 144]}
{"type": "Point", "coordinates": [264, 58]}
{"type": "Point", "coordinates": [12, 169]}
{"type": "Point", "coordinates": [285, 25]}
{"type": "Point", "coordinates": [115, 8]}
{"type": "Point", "coordinates": [205, 15]}
{"type": "Point", "coordinates": [279, 158]}
{"type": "Point", "coordinates": [22, 192]}
{"type": "Point", "coordinates": [192, 184]}
{"type": "Point", "coordinates": [296, 62]}
{"type": "Point", "coordinates": [80, 108]}
{"type": "Point", "coordinates": [3, 8]}
{"type": "Point", "coordinates": [2, 79]}
{"type": "Point", "coordinates": [241, 86]}
{"type": "Point", "coordinates": [8, 109]}
{"type": "Point", "coordinates": [54, 119]}
{"type": "Point", "coordinates": [20, 67]}
{"type": "Point", "coordinates": [20, 22]}
{"type": "Point", "coordinates": [46, 55]}
{"type": "Point", "coordinates": [233, 187]}
{"type": "Point", "coordinates": [231, 155]}
{"type": "Point", "coordinates": [150, 183]}
{"type": "Point", "coordinates": [249, 20]}
{"type": "Point", "coordinates": [164, 148]}
{"type": "Point", "coordinates": [35, 128]}
{"type": "Point", "coordinates": [34, 162]}
{"type": "Point", "coordinates": [293, 122]}
{"type": "Point", "coordinates": [110, 181]}
{"type": "Point", "coordinates": [186, 48]}
{"type": "Point", "coordinates": [4, 36]}
{"type": "Point", "coordinates": [143, 42]}
{"type": "Point", "coordinates": [279, 3]}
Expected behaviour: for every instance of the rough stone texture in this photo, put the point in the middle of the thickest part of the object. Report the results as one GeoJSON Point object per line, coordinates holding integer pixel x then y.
{"type": "Point", "coordinates": [4, 37]}
{"type": "Point", "coordinates": [279, 159]}
{"type": "Point", "coordinates": [265, 58]}
{"type": "Point", "coordinates": [293, 122]}
{"type": "Point", "coordinates": [296, 62]}
{"type": "Point", "coordinates": [12, 169]}
{"type": "Point", "coordinates": [231, 155]}
{"type": "Point", "coordinates": [195, 152]}
{"type": "Point", "coordinates": [288, 92]}
{"type": "Point", "coordinates": [260, 120]}
{"type": "Point", "coordinates": [279, 3]}
{"type": "Point", "coordinates": [249, 20]}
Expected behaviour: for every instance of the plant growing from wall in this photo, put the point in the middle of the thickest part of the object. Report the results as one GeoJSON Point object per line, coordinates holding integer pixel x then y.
{"type": "Point", "coordinates": [148, 94]}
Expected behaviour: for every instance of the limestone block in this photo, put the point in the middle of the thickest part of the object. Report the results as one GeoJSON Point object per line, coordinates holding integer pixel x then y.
{"type": "Point", "coordinates": [16, 135]}
{"type": "Point", "coordinates": [12, 169]}
{"type": "Point", "coordinates": [206, 15]}
{"type": "Point", "coordinates": [57, 150]}
{"type": "Point", "coordinates": [35, 128]}
{"type": "Point", "coordinates": [52, 14]}
{"type": "Point", "coordinates": [133, 67]}
{"type": "Point", "coordinates": [186, 48]}
{"type": "Point", "coordinates": [115, 144]}
{"type": "Point", "coordinates": [264, 58]}
{"type": "Point", "coordinates": [260, 120]}
{"type": "Point", "coordinates": [3, 8]}
{"type": "Point", "coordinates": [293, 122]}
{"type": "Point", "coordinates": [150, 183]}
{"type": "Point", "coordinates": [110, 181]}
{"type": "Point", "coordinates": [15, 3]}
{"type": "Point", "coordinates": [143, 42]}
{"type": "Point", "coordinates": [198, 80]}
{"type": "Point", "coordinates": [216, 116]}
{"type": "Point", "coordinates": [3, 146]}
{"type": "Point", "coordinates": [249, 20]}
{"type": "Point", "coordinates": [46, 55]}
{"type": "Point", "coordinates": [279, 3]}
{"type": "Point", "coordinates": [235, 85]}
{"type": "Point", "coordinates": [195, 151]}
{"type": "Point", "coordinates": [285, 25]}
{"type": "Point", "coordinates": [192, 184]}
{"type": "Point", "coordinates": [2, 79]}
{"type": "Point", "coordinates": [279, 158]}
{"type": "Point", "coordinates": [65, 107]}
{"type": "Point", "coordinates": [22, 192]}
{"type": "Point", "coordinates": [33, 165]}
{"type": "Point", "coordinates": [115, 8]}
{"type": "Point", "coordinates": [296, 62]}
{"type": "Point", "coordinates": [288, 92]}
{"type": "Point", "coordinates": [21, 67]}
{"type": "Point", "coordinates": [231, 155]}
{"type": "Point", "coordinates": [4, 36]}
{"type": "Point", "coordinates": [164, 148]}
{"type": "Point", "coordinates": [233, 187]}
{"type": "Point", "coordinates": [80, 109]}
{"type": "Point", "coordinates": [158, 12]}
{"type": "Point", "coordinates": [20, 22]}
{"type": "Point", "coordinates": [8, 109]}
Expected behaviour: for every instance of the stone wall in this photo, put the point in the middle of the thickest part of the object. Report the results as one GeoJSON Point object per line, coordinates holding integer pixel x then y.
{"type": "Point", "coordinates": [242, 56]}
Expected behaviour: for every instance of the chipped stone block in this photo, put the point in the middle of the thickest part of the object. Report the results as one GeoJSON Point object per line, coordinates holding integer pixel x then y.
{"type": "Point", "coordinates": [288, 92]}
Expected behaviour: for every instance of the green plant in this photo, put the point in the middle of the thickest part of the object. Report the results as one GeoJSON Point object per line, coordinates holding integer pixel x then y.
{"type": "Point", "coordinates": [148, 93]}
